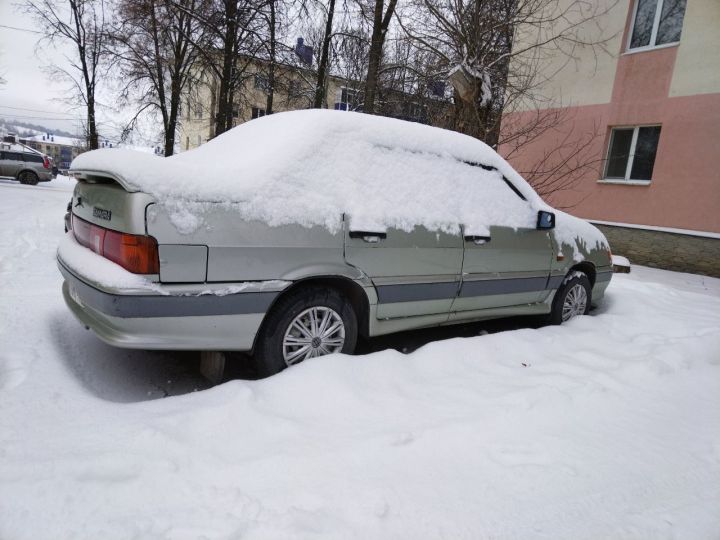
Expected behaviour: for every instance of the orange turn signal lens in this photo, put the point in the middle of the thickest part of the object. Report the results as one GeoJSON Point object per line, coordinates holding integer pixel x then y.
{"type": "Point", "coordinates": [135, 253]}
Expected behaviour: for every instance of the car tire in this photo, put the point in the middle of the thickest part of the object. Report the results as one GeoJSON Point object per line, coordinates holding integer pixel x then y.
{"type": "Point", "coordinates": [28, 178]}
{"type": "Point", "coordinates": [281, 342]}
{"type": "Point", "coordinates": [572, 298]}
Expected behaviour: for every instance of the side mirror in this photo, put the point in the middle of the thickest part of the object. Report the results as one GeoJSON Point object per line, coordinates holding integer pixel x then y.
{"type": "Point", "coordinates": [545, 220]}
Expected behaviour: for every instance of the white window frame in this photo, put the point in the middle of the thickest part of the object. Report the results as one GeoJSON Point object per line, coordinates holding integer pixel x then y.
{"type": "Point", "coordinates": [631, 156]}
{"type": "Point", "coordinates": [653, 34]}
{"type": "Point", "coordinates": [348, 91]}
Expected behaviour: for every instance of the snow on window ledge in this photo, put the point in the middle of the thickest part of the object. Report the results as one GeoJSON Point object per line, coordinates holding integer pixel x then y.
{"type": "Point", "coordinates": [648, 48]}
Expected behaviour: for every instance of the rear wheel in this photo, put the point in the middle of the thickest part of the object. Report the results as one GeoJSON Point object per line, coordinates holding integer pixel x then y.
{"type": "Point", "coordinates": [28, 177]}
{"type": "Point", "coordinates": [572, 298]}
{"type": "Point", "coordinates": [308, 323]}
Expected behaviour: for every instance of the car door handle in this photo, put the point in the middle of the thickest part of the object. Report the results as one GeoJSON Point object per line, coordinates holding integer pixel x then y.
{"type": "Point", "coordinates": [478, 240]}
{"type": "Point", "coordinates": [368, 236]}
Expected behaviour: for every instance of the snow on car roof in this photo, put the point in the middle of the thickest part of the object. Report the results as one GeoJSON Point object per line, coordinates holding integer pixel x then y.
{"type": "Point", "coordinates": [310, 167]}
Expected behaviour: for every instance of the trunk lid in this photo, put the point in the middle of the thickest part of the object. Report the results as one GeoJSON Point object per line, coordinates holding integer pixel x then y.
{"type": "Point", "coordinates": [109, 205]}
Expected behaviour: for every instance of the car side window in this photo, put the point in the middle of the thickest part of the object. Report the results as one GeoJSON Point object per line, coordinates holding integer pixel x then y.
{"type": "Point", "coordinates": [33, 158]}
{"type": "Point", "coordinates": [14, 156]}
{"type": "Point", "coordinates": [491, 168]}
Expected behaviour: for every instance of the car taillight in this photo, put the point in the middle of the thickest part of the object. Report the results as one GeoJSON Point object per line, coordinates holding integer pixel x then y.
{"type": "Point", "coordinates": [136, 253]}
{"type": "Point", "coordinates": [46, 162]}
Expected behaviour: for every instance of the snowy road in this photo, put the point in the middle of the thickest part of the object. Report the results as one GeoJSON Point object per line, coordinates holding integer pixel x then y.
{"type": "Point", "coordinates": [606, 427]}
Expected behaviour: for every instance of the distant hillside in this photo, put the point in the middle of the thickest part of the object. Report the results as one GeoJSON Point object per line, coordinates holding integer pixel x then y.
{"type": "Point", "coordinates": [26, 129]}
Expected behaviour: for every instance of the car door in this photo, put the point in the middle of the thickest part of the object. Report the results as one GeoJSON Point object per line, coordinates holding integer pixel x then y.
{"type": "Point", "coordinates": [13, 163]}
{"type": "Point", "coordinates": [414, 273]}
{"type": "Point", "coordinates": [508, 267]}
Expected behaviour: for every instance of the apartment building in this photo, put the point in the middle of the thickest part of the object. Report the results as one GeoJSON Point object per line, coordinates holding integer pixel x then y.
{"type": "Point", "coordinates": [61, 149]}
{"type": "Point", "coordinates": [654, 101]}
{"type": "Point", "coordinates": [294, 89]}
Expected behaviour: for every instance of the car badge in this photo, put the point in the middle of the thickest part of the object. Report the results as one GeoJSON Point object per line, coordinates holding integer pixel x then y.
{"type": "Point", "coordinates": [102, 214]}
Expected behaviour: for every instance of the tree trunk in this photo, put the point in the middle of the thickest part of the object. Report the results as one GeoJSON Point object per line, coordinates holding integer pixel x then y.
{"type": "Point", "coordinates": [92, 127]}
{"type": "Point", "coordinates": [377, 40]}
{"type": "Point", "coordinates": [223, 120]}
{"type": "Point", "coordinates": [171, 127]}
{"type": "Point", "coordinates": [324, 56]}
{"type": "Point", "coordinates": [271, 70]}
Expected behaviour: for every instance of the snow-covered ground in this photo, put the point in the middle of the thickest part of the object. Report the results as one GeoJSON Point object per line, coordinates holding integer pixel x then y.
{"type": "Point", "coordinates": [606, 427]}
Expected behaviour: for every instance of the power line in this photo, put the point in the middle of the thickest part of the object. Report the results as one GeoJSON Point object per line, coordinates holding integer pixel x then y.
{"type": "Point", "coordinates": [21, 117]}
{"type": "Point", "coordinates": [20, 29]}
{"type": "Point", "coordinates": [25, 109]}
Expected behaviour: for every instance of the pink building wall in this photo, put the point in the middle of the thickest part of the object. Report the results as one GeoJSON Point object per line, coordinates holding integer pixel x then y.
{"type": "Point", "coordinates": [685, 189]}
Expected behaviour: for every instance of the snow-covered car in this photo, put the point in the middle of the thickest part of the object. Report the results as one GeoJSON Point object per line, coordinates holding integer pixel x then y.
{"type": "Point", "coordinates": [291, 235]}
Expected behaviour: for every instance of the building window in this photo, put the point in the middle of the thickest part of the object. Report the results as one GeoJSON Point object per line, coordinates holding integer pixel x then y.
{"type": "Point", "coordinates": [656, 22]}
{"type": "Point", "coordinates": [261, 82]}
{"type": "Point", "coordinates": [257, 112]}
{"type": "Point", "coordinates": [631, 155]}
{"type": "Point", "coordinates": [349, 99]}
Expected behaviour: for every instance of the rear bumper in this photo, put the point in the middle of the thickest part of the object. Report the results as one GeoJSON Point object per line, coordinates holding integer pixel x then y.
{"type": "Point", "coordinates": [183, 321]}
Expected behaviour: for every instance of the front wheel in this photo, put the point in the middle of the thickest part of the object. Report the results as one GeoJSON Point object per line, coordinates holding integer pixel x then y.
{"type": "Point", "coordinates": [311, 322]}
{"type": "Point", "coordinates": [572, 298]}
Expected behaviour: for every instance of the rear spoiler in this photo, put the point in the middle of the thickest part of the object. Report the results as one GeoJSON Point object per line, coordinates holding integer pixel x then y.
{"type": "Point", "coordinates": [101, 177]}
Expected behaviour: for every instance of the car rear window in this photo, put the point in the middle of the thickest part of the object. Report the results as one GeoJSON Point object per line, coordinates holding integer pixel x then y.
{"type": "Point", "coordinates": [34, 158]}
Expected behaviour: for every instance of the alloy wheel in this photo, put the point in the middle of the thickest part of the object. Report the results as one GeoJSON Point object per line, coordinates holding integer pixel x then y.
{"type": "Point", "coordinates": [317, 331]}
{"type": "Point", "coordinates": [575, 302]}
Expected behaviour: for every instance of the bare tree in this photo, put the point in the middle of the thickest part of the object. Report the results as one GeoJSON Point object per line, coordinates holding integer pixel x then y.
{"type": "Point", "coordinates": [381, 18]}
{"type": "Point", "coordinates": [322, 72]}
{"type": "Point", "coordinates": [83, 24]}
{"type": "Point", "coordinates": [273, 52]}
{"type": "Point", "coordinates": [495, 54]}
{"type": "Point", "coordinates": [231, 38]}
{"type": "Point", "coordinates": [154, 47]}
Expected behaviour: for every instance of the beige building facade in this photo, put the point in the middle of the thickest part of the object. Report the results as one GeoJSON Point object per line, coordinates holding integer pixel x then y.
{"type": "Point", "coordinates": [294, 89]}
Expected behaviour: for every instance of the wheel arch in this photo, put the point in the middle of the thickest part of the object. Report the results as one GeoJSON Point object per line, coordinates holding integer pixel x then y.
{"type": "Point", "coordinates": [587, 268]}
{"type": "Point", "coordinates": [350, 289]}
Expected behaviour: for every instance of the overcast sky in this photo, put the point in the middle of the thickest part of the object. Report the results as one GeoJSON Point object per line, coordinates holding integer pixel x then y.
{"type": "Point", "coordinates": [29, 95]}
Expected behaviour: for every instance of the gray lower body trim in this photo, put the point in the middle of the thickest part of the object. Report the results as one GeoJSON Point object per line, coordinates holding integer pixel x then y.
{"type": "Point", "coordinates": [487, 287]}
{"type": "Point", "coordinates": [418, 292]}
{"type": "Point", "coordinates": [604, 276]}
{"type": "Point", "coordinates": [144, 306]}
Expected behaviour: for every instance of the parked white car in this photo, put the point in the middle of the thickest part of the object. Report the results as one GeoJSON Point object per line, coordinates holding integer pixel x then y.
{"type": "Point", "coordinates": [291, 235]}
